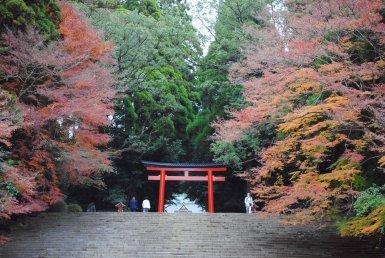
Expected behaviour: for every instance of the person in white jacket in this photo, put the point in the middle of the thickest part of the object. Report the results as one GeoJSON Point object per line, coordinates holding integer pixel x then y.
{"type": "Point", "coordinates": [146, 205]}
{"type": "Point", "coordinates": [248, 203]}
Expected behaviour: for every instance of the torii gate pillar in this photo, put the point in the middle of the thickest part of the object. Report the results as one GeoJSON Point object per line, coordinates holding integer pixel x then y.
{"type": "Point", "coordinates": [162, 188]}
{"type": "Point", "coordinates": [210, 191]}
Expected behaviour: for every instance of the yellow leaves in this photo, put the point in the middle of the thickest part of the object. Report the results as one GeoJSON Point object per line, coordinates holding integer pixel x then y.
{"type": "Point", "coordinates": [346, 43]}
{"type": "Point", "coordinates": [310, 115]}
{"type": "Point", "coordinates": [342, 175]}
{"type": "Point", "coordinates": [297, 120]}
{"type": "Point", "coordinates": [336, 71]}
{"type": "Point", "coordinates": [368, 72]}
{"type": "Point", "coordinates": [303, 73]}
{"type": "Point", "coordinates": [349, 45]}
{"type": "Point", "coordinates": [320, 127]}
{"type": "Point", "coordinates": [381, 161]}
{"type": "Point", "coordinates": [380, 64]}
{"type": "Point", "coordinates": [315, 147]}
{"type": "Point", "coordinates": [283, 150]}
{"type": "Point", "coordinates": [358, 74]}
{"type": "Point", "coordinates": [304, 86]}
{"type": "Point", "coordinates": [336, 102]}
{"type": "Point", "coordinates": [279, 180]}
{"type": "Point", "coordinates": [295, 175]}
{"type": "Point", "coordinates": [307, 192]}
{"type": "Point", "coordinates": [360, 144]}
{"type": "Point", "coordinates": [303, 80]}
{"type": "Point", "coordinates": [309, 187]}
{"type": "Point", "coordinates": [277, 157]}
{"type": "Point", "coordinates": [363, 226]}
{"type": "Point", "coordinates": [307, 165]}
{"type": "Point", "coordinates": [331, 69]}
{"type": "Point", "coordinates": [310, 133]}
{"type": "Point", "coordinates": [337, 140]}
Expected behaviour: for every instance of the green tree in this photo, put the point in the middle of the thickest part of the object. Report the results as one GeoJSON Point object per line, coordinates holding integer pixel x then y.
{"type": "Point", "coordinates": [217, 94]}
{"type": "Point", "coordinates": [146, 7]}
{"type": "Point", "coordinates": [155, 64]}
{"type": "Point", "coordinates": [18, 14]}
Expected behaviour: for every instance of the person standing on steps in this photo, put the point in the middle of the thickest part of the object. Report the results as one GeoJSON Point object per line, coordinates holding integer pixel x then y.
{"type": "Point", "coordinates": [146, 205]}
{"type": "Point", "coordinates": [133, 204]}
{"type": "Point", "coordinates": [91, 207]}
{"type": "Point", "coordinates": [248, 203]}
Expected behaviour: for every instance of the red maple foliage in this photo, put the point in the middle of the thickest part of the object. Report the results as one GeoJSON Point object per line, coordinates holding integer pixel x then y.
{"type": "Point", "coordinates": [54, 99]}
{"type": "Point", "coordinates": [322, 87]}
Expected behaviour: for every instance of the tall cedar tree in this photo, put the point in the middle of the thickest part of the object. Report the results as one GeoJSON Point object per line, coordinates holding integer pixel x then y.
{"type": "Point", "coordinates": [156, 54]}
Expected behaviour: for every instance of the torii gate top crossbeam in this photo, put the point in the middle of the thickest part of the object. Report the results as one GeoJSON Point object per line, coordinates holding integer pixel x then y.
{"type": "Point", "coordinates": [185, 168]}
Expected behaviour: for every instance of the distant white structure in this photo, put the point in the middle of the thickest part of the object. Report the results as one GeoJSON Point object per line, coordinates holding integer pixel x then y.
{"type": "Point", "coordinates": [182, 209]}
{"type": "Point", "coordinates": [183, 204]}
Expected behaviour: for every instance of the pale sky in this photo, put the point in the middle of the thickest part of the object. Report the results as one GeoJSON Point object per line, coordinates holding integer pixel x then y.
{"type": "Point", "coordinates": [203, 14]}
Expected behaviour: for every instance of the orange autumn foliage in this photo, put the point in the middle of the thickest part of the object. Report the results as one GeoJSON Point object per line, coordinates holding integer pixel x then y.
{"type": "Point", "coordinates": [63, 94]}
{"type": "Point", "coordinates": [79, 37]}
{"type": "Point", "coordinates": [322, 89]}
{"type": "Point", "coordinates": [369, 225]}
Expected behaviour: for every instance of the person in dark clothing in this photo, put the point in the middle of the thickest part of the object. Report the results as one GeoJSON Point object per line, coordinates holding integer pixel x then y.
{"type": "Point", "coordinates": [91, 207]}
{"type": "Point", "coordinates": [133, 204]}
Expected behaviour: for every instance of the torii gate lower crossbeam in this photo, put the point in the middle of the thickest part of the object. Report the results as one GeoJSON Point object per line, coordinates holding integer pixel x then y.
{"type": "Point", "coordinates": [200, 172]}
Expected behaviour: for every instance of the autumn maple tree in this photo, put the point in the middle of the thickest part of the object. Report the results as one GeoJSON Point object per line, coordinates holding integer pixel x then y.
{"type": "Point", "coordinates": [55, 98]}
{"type": "Point", "coordinates": [321, 87]}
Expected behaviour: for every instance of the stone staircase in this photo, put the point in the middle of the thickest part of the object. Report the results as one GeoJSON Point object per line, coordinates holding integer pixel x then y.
{"type": "Point", "coordinates": [111, 234]}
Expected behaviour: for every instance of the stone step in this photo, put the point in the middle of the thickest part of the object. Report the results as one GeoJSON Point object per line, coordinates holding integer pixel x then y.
{"type": "Point", "coordinates": [111, 234]}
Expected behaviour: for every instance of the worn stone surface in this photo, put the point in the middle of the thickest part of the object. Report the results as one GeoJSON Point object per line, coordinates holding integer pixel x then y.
{"type": "Point", "coordinates": [107, 234]}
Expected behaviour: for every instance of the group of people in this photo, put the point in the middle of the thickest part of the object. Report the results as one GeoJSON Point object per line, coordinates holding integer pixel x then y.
{"type": "Point", "coordinates": [134, 205]}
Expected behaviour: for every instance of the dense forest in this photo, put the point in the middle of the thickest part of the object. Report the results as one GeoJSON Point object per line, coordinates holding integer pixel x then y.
{"type": "Point", "coordinates": [290, 95]}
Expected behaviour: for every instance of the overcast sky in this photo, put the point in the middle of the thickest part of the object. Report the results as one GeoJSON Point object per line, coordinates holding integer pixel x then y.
{"type": "Point", "coordinates": [203, 15]}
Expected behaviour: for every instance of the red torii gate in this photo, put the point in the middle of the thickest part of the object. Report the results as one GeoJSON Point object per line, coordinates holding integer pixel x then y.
{"type": "Point", "coordinates": [182, 171]}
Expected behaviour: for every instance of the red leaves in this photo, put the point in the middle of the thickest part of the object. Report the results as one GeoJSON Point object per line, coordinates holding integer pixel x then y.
{"type": "Point", "coordinates": [3, 239]}
{"type": "Point", "coordinates": [380, 89]}
{"type": "Point", "coordinates": [64, 95]}
{"type": "Point", "coordinates": [79, 38]}
{"type": "Point", "coordinates": [322, 86]}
